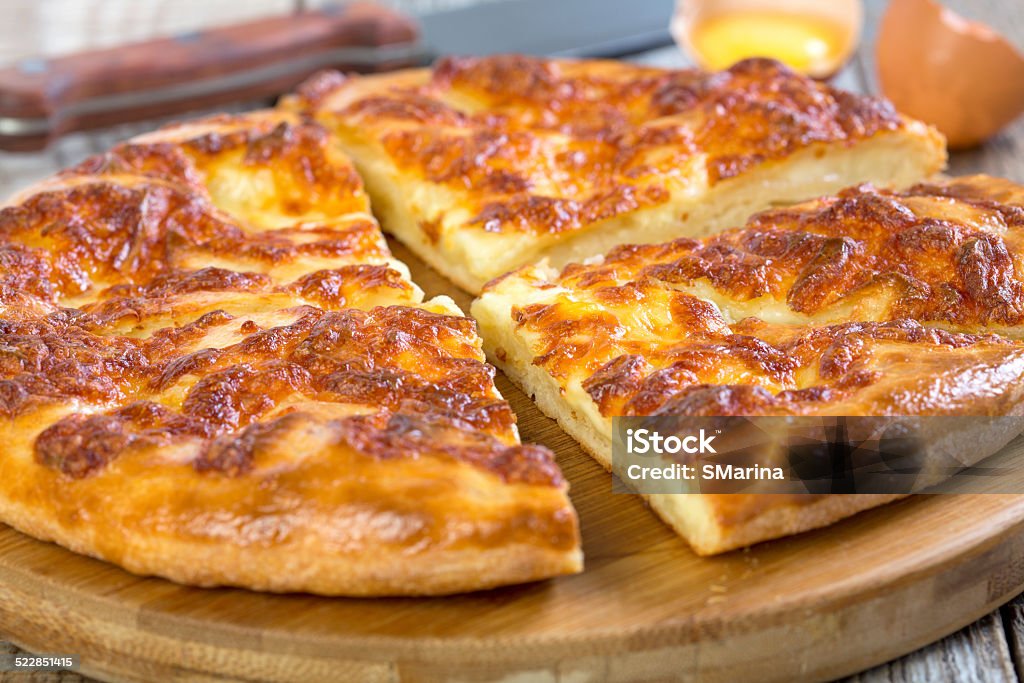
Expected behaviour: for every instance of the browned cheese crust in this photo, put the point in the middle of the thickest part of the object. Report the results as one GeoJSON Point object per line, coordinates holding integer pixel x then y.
{"type": "Point", "coordinates": [867, 303]}
{"type": "Point", "coordinates": [212, 370]}
{"type": "Point", "coordinates": [948, 254]}
{"type": "Point", "coordinates": [484, 164]}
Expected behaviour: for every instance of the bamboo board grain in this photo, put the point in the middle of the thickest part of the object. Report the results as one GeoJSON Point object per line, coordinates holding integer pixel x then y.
{"type": "Point", "coordinates": [812, 607]}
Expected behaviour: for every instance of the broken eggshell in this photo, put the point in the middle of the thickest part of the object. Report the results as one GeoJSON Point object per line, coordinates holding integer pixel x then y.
{"type": "Point", "coordinates": [958, 75]}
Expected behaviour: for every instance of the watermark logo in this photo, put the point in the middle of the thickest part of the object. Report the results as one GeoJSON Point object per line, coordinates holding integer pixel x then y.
{"type": "Point", "coordinates": [646, 441]}
{"type": "Point", "coordinates": [818, 455]}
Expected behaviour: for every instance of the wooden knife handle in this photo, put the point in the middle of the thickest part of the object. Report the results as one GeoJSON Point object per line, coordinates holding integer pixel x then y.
{"type": "Point", "coordinates": [194, 71]}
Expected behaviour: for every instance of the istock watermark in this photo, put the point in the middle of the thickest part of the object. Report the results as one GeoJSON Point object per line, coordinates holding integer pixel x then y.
{"type": "Point", "coordinates": [820, 455]}
{"type": "Point", "coordinates": [644, 441]}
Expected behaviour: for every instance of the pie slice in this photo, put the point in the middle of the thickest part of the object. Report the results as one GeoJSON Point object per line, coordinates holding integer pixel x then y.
{"type": "Point", "coordinates": [481, 165]}
{"type": "Point", "coordinates": [869, 303]}
{"type": "Point", "coordinates": [212, 370]}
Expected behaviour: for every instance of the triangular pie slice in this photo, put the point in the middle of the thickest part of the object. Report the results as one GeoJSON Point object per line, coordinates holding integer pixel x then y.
{"type": "Point", "coordinates": [212, 370]}
{"type": "Point", "coordinates": [484, 164]}
{"type": "Point", "coordinates": [870, 303]}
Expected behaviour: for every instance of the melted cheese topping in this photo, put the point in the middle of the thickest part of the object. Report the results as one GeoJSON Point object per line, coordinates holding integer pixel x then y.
{"type": "Point", "coordinates": [211, 310]}
{"type": "Point", "coordinates": [862, 301]}
{"type": "Point", "coordinates": [500, 157]}
{"type": "Point", "coordinates": [949, 255]}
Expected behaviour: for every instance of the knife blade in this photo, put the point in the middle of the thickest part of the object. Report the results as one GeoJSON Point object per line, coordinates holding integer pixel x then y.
{"type": "Point", "coordinates": [41, 99]}
{"type": "Point", "coordinates": [555, 28]}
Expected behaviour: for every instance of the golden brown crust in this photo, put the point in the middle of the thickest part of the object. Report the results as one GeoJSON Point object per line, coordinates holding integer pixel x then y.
{"type": "Point", "coordinates": [211, 369]}
{"type": "Point", "coordinates": [942, 253]}
{"type": "Point", "coordinates": [520, 146]}
{"type": "Point", "coordinates": [670, 329]}
{"type": "Point", "coordinates": [756, 368]}
{"type": "Point", "coordinates": [755, 111]}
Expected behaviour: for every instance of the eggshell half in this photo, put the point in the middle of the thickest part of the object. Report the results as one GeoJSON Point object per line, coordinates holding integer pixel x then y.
{"type": "Point", "coordinates": [958, 75]}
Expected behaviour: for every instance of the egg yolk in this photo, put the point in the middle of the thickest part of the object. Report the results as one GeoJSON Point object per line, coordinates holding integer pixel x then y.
{"type": "Point", "coordinates": [811, 45]}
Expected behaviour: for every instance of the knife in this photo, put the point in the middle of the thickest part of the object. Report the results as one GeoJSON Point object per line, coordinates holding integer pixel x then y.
{"type": "Point", "coordinates": [41, 99]}
{"type": "Point", "coordinates": [555, 28]}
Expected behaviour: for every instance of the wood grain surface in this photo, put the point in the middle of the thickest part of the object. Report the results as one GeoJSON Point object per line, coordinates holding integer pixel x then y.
{"type": "Point", "coordinates": [978, 653]}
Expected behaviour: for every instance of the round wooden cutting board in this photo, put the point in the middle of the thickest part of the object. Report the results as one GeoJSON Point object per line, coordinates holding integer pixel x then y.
{"type": "Point", "coordinates": [815, 606]}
